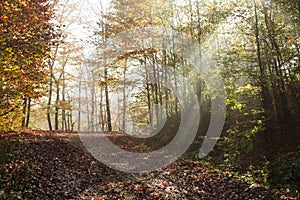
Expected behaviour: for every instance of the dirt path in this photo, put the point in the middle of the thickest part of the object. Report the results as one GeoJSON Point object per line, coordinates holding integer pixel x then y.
{"type": "Point", "coordinates": [55, 165]}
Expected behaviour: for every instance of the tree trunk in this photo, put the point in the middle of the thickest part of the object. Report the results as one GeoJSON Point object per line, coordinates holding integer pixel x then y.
{"type": "Point", "coordinates": [87, 107]}
{"type": "Point", "coordinates": [124, 99]}
{"type": "Point", "coordinates": [176, 85]}
{"type": "Point", "coordinates": [148, 94]}
{"type": "Point", "coordinates": [50, 89]}
{"type": "Point", "coordinates": [102, 114]}
{"type": "Point", "coordinates": [109, 126]}
{"type": "Point", "coordinates": [79, 102]}
{"type": "Point", "coordinates": [56, 108]}
{"type": "Point", "coordinates": [155, 75]}
{"type": "Point", "coordinates": [199, 34]}
{"type": "Point", "coordinates": [28, 113]}
{"type": "Point", "coordinates": [24, 112]}
{"type": "Point", "coordinates": [93, 107]}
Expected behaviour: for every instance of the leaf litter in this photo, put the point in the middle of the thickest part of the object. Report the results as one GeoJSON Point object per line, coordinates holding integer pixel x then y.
{"type": "Point", "coordinates": [55, 165]}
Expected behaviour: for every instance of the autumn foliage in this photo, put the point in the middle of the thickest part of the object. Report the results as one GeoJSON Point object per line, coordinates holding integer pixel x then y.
{"type": "Point", "coordinates": [26, 34]}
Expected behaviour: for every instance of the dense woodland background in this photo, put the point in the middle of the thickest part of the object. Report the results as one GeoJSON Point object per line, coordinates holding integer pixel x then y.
{"type": "Point", "coordinates": [50, 81]}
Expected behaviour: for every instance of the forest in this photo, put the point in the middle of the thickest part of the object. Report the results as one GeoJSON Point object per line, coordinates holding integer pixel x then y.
{"type": "Point", "coordinates": [149, 99]}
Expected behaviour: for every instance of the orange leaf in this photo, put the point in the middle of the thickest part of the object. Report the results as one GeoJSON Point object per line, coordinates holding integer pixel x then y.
{"type": "Point", "coordinates": [35, 19]}
{"type": "Point", "coordinates": [4, 19]}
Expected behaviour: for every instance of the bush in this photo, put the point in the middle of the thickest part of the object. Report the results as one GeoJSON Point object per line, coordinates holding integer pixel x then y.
{"type": "Point", "coordinates": [286, 171]}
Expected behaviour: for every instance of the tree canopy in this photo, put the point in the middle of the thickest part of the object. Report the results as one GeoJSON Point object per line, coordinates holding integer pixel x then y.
{"type": "Point", "coordinates": [26, 36]}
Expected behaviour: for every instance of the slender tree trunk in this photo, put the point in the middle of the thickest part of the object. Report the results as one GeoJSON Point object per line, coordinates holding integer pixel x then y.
{"type": "Point", "coordinates": [51, 88]}
{"type": "Point", "coordinates": [79, 111]}
{"type": "Point", "coordinates": [109, 126]}
{"type": "Point", "coordinates": [148, 94]}
{"type": "Point", "coordinates": [176, 85]}
{"type": "Point", "coordinates": [102, 120]}
{"type": "Point", "coordinates": [159, 80]}
{"type": "Point", "coordinates": [191, 17]}
{"type": "Point", "coordinates": [56, 120]}
{"type": "Point", "coordinates": [79, 101]}
{"type": "Point", "coordinates": [124, 98]}
{"type": "Point", "coordinates": [63, 111]}
{"type": "Point", "coordinates": [97, 124]}
{"type": "Point", "coordinates": [199, 34]}
{"type": "Point", "coordinates": [69, 120]}
{"type": "Point", "coordinates": [63, 120]}
{"type": "Point", "coordinates": [87, 107]}
{"type": "Point", "coordinates": [165, 77]}
{"type": "Point", "coordinates": [93, 107]}
{"type": "Point", "coordinates": [49, 101]}
{"type": "Point", "coordinates": [28, 113]}
{"type": "Point", "coordinates": [155, 76]}
{"type": "Point", "coordinates": [24, 112]}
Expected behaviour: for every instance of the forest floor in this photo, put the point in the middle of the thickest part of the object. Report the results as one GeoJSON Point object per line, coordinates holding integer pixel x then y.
{"type": "Point", "coordinates": [55, 165]}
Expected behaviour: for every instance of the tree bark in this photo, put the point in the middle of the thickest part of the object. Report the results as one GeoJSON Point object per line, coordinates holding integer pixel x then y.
{"type": "Point", "coordinates": [24, 112]}
{"type": "Point", "coordinates": [109, 126]}
{"type": "Point", "coordinates": [56, 107]}
{"type": "Point", "coordinates": [28, 113]}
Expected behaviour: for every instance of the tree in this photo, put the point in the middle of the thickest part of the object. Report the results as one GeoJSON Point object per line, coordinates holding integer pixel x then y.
{"type": "Point", "coordinates": [26, 35]}
{"type": "Point", "coordinates": [63, 54]}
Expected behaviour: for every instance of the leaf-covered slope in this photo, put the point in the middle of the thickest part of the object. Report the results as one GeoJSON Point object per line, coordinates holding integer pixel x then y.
{"type": "Point", "coordinates": [55, 165]}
